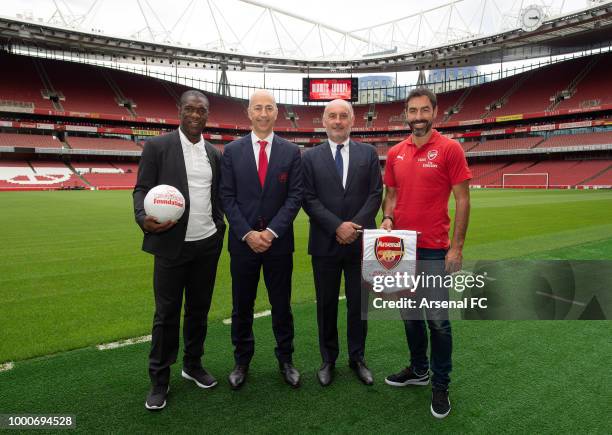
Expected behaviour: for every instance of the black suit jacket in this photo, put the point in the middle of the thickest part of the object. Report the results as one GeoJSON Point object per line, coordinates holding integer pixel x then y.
{"type": "Point", "coordinates": [248, 206]}
{"type": "Point", "coordinates": [329, 204]}
{"type": "Point", "coordinates": [162, 162]}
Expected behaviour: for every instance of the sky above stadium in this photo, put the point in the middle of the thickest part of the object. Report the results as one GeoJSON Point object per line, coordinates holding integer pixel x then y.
{"type": "Point", "coordinates": [289, 30]}
{"type": "Point", "coordinates": [348, 29]}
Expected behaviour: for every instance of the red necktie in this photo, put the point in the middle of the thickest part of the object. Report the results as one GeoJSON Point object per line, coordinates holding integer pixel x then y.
{"type": "Point", "coordinates": [263, 161]}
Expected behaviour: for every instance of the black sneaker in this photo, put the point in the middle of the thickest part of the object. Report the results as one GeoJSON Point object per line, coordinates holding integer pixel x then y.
{"type": "Point", "coordinates": [408, 376]}
{"type": "Point", "coordinates": [201, 377]}
{"type": "Point", "coordinates": [156, 399]}
{"type": "Point", "coordinates": [440, 405]}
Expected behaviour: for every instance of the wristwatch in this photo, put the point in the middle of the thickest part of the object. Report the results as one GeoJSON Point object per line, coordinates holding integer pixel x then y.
{"type": "Point", "coordinates": [388, 217]}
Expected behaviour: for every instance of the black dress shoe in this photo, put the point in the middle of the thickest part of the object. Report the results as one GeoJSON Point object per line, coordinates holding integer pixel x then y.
{"type": "Point", "coordinates": [238, 376]}
{"type": "Point", "coordinates": [291, 374]}
{"type": "Point", "coordinates": [326, 374]}
{"type": "Point", "coordinates": [362, 371]}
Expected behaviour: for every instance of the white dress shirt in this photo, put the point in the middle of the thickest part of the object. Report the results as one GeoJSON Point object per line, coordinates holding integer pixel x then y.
{"type": "Point", "coordinates": [256, 147]}
{"type": "Point", "coordinates": [344, 152]}
{"type": "Point", "coordinates": [200, 224]}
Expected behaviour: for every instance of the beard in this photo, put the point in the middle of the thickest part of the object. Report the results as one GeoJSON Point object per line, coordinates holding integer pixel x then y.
{"type": "Point", "coordinates": [420, 131]}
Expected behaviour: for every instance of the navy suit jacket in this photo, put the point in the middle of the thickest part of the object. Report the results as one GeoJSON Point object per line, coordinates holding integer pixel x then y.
{"type": "Point", "coordinates": [162, 162]}
{"type": "Point", "coordinates": [248, 206]}
{"type": "Point", "coordinates": [329, 204]}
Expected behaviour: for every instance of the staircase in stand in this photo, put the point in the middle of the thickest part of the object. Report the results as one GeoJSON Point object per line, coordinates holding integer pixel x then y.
{"type": "Point", "coordinates": [121, 99]}
{"type": "Point", "coordinates": [570, 90]}
{"type": "Point", "coordinates": [504, 98]}
{"type": "Point", "coordinates": [48, 92]}
{"type": "Point", "coordinates": [456, 108]}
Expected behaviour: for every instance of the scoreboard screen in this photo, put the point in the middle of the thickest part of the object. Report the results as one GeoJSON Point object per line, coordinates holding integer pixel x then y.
{"type": "Point", "coordinates": [324, 89]}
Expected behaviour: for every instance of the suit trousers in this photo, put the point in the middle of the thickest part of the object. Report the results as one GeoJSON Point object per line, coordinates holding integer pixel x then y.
{"type": "Point", "coordinates": [327, 274]}
{"type": "Point", "coordinates": [193, 272]}
{"type": "Point", "coordinates": [277, 270]}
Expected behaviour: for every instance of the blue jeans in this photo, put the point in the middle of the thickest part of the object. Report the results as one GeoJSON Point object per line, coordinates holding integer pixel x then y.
{"type": "Point", "coordinates": [431, 261]}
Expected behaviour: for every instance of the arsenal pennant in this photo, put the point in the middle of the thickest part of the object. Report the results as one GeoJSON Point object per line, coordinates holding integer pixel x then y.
{"type": "Point", "coordinates": [387, 253]}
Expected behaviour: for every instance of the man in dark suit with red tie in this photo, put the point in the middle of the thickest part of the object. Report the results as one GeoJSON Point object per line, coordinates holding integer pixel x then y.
{"type": "Point", "coordinates": [261, 189]}
{"type": "Point", "coordinates": [186, 252]}
{"type": "Point", "coordinates": [342, 194]}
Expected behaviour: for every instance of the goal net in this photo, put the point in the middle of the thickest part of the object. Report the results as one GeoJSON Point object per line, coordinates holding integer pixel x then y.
{"type": "Point", "coordinates": [533, 180]}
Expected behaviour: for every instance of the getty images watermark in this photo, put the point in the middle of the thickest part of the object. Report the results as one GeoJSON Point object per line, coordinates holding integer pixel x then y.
{"type": "Point", "coordinates": [489, 290]}
{"type": "Point", "coordinates": [404, 281]}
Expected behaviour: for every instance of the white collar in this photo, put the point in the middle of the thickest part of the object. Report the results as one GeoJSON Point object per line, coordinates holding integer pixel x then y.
{"type": "Point", "coordinates": [334, 145]}
{"type": "Point", "coordinates": [185, 140]}
{"type": "Point", "coordinates": [255, 140]}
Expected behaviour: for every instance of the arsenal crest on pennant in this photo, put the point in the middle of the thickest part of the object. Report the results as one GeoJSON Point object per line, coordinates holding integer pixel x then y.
{"type": "Point", "coordinates": [389, 251]}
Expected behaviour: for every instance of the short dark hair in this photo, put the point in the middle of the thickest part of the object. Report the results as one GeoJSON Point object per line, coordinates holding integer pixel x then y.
{"type": "Point", "coordinates": [423, 92]}
{"type": "Point", "coordinates": [191, 93]}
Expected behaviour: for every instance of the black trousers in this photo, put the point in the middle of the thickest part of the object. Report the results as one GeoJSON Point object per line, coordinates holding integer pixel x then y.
{"type": "Point", "coordinates": [277, 271]}
{"type": "Point", "coordinates": [327, 273]}
{"type": "Point", "coordinates": [194, 271]}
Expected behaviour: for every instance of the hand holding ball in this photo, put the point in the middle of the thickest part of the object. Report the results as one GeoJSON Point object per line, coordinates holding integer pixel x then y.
{"type": "Point", "coordinates": [164, 203]}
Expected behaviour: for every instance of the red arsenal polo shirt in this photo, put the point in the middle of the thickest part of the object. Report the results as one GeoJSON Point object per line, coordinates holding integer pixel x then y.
{"type": "Point", "coordinates": [424, 178]}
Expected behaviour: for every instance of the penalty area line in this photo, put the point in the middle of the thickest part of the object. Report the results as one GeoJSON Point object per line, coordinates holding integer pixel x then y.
{"type": "Point", "coordinates": [255, 316]}
{"type": "Point", "coordinates": [559, 298]}
{"type": "Point", "coordinates": [123, 343]}
{"type": "Point", "coordinates": [9, 365]}
{"type": "Point", "coordinates": [5, 367]}
{"type": "Point", "coordinates": [265, 313]}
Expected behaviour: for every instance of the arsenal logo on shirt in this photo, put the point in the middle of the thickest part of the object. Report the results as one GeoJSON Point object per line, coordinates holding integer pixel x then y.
{"type": "Point", "coordinates": [432, 154]}
{"type": "Point", "coordinates": [389, 251]}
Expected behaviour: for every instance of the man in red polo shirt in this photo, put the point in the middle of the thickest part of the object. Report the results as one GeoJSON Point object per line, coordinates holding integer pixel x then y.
{"type": "Point", "coordinates": [420, 174]}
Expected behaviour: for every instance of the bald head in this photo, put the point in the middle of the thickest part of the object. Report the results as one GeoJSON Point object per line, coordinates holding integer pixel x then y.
{"type": "Point", "coordinates": [262, 112]}
{"type": "Point", "coordinates": [339, 104]}
{"type": "Point", "coordinates": [338, 118]}
{"type": "Point", "coordinates": [262, 95]}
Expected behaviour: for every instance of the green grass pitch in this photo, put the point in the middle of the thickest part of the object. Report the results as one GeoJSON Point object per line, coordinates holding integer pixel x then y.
{"type": "Point", "coordinates": [72, 275]}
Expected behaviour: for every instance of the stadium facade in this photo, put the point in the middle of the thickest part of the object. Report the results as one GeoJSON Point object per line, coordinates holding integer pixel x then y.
{"type": "Point", "coordinates": [71, 124]}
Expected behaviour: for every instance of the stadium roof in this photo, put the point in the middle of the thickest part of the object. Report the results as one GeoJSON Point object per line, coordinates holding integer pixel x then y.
{"type": "Point", "coordinates": [579, 30]}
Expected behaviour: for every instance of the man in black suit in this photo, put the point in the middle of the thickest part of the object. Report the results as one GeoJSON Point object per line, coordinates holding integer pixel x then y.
{"type": "Point", "coordinates": [186, 252]}
{"type": "Point", "coordinates": [261, 190]}
{"type": "Point", "coordinates": [342, 194]}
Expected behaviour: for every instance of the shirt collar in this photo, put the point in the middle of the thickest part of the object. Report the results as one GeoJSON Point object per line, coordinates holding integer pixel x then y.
{"type": "Point", "coordinates": [255, 140]}
{"type": "Point", "coordinates": [433, 138]}
{"type": "Point", "coordinates": [185, 141]}
{"type": "Point", "coordinates": [334, 145]}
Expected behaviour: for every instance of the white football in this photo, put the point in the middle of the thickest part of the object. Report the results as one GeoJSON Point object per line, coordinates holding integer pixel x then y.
{"type": "Point", "coordinates": [165, 203]}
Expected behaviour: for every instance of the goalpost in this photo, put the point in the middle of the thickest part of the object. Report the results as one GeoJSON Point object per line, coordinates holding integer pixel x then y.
{"type": "Point", "coordinates": [535, 180]}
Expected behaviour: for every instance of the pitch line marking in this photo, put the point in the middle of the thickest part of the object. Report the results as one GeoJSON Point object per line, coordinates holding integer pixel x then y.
{"type": "Point", "coordinates": [340, 298]}
{"type": "Point", "coordinates": [559, 298]}
{"type": "Point", "coordinates": [255, 316]}
{"type": "Point", "coordinates": [6, 366]}
{"type": "Point", "coordinates": [123, 343]}
{"type": "Point", "coordinates": [265, 313]}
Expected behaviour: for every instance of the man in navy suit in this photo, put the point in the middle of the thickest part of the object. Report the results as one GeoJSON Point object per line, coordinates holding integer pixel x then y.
{"type": "Point", "coordinates": [342, 194]}
{"type": "Point", "coordinates": [186, 252]}
{"type": "Point", "coordinates": [261, 190]}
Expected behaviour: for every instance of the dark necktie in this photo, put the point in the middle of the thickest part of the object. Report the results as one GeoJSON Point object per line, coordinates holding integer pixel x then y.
{"type": "Point", "coordinates": [339, 162]}
{"type": "Point", "coordinates": [263, 161]}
